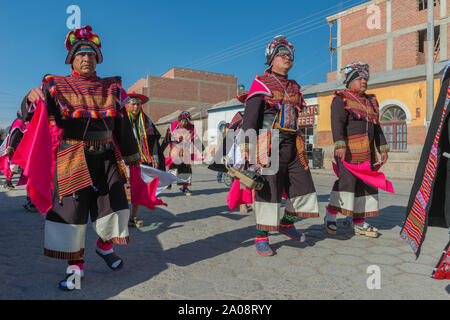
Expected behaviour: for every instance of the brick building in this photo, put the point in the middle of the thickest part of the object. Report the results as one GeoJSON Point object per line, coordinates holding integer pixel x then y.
{"type": "Point", "coordinates": [182, 89]}
{"type": "Point", "coordinates": [390, 36]}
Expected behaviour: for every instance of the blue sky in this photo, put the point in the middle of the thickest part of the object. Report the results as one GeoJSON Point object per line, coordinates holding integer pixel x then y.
{"type": "Point", "coordinates": [150, 37]}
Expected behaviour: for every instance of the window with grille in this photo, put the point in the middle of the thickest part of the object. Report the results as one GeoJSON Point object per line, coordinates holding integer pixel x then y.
{"type": "Point", "coordinates": [393, 121]}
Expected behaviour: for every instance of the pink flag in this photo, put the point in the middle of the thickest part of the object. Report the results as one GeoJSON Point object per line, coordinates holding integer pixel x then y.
{"type": "Point", "coordinates": [364, 172]}
{"type": "Point", "coordinates": [237, 196]}
{"type": "Point", "coordinates": [143, 194]}
{"type": "Point", "coordinates": [34, 156]}
{"type": "Point", "coordinates": [4, 165]}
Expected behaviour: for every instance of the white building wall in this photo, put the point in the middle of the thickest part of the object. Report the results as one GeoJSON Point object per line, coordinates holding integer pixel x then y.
{"type": "Point", "coordinates": [217, 117]}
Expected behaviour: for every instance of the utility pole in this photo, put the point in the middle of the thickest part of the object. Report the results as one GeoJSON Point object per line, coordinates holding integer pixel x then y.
{"type": "Point", "coordinates": [331, 48]}
{"type": "Point", "coordinates": [430, 62]}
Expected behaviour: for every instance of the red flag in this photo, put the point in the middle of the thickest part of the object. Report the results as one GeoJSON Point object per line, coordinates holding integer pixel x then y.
{"type": "Point", "coordinates": [143, 194]}
{"type": "Point", "coordinates": [34, 156]}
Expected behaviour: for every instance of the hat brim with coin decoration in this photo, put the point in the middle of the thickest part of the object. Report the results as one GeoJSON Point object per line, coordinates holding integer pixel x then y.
{"type": "Point", "coordinates": [277, 46]}
{"type": "Point", "coordinates": [355, 71]}
{"type": "Point", "coordinates": [83, 40]}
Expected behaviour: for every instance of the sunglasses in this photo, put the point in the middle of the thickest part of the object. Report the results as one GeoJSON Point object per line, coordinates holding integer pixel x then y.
{"type": "Point", "coordinates": [285, 56]}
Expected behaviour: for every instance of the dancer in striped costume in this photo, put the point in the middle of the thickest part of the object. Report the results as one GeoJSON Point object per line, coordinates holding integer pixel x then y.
{"type": "Point", "coordinates": [147, 137]}
{"type": "Point", "coordinates": [357, 135]}
{"type": "Point", "coordinates": [272, 107]}
{"type": "Point", "coordinates": [184, 147]}
{"type": "Point", "coordinates": [429, 202]}
{"type": "Point", "coordinates": [91, 136]}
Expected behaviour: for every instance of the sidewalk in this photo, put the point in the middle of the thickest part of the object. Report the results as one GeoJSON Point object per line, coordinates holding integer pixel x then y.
{"type": "Point", "coordinates": [197, 249]}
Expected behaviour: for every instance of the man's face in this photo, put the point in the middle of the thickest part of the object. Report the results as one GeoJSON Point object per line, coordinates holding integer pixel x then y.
{"type": "Point", "coordinates": [135, 107]}
{"type": "Point", "coordinates": [359, 85]}
{"type": "Point", "coordinates": [282, 62]}
{"type": "Point", "coordinates": [183, 123]}
{"type": "Point", "coordinates": [85, 63]}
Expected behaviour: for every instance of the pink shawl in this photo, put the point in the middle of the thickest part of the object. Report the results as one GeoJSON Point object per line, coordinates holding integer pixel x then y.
{"type": "Point", "coordinates": [36, 155]}
{"type": "Point", "coordinates": [364, 172]}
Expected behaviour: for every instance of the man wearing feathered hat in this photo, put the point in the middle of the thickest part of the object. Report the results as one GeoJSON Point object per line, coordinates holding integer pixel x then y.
{"type": "Point", "coordinates": [274, 103]}
{"type": "Point", "coordinates": [92, 134]}
{"type": "Point", "coordinates": [147, 137]}
{"type": "Point", "coordinates": [357, 135]}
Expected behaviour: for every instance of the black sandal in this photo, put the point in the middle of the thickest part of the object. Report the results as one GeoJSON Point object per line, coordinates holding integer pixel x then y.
{"type": "Point", "coordinates": [110, 259]}
{"type": "Point", "coordinates": [135, 223]}
{"type": "Point", "coordinates": [331, 227]}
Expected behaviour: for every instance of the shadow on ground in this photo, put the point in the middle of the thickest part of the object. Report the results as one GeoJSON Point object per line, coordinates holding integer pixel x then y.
{"type": "Point", "coordinates": [27, 274]}
{"type": "Point", "coordinates": [195, 192]}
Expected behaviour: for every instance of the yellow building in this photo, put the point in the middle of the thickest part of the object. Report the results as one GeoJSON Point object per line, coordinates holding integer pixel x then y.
{"type": "Point", "coordinates": [401, 95]}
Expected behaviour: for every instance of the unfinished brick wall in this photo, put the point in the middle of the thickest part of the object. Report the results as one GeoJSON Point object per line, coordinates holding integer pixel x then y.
{"type": "Point", "coordinates": [332, 76]}
{"type": "Point", "coordinates": [406, 52]}
{"type": "Point", "coordinates": [173, 89]}
{"type": "Point", "coordinates": [373, 53]}
{"type": "Point", "coordinates": [404, 14]}
{"type": "Point", "coordinates": [157, 110]}
{"type": "Point", "coordinates": [354, 25]}
{"type": "Point", "coordinates": [138, 86]}
{"type": "Point", "coordinates": [448, 42]}
{"type": "Point", "coordinates": [201, 75]}
{"type": "Point", "coordinates": [181, 89]}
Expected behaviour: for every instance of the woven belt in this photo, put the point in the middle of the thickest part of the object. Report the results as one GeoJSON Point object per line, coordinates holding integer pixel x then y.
{"type": "Point", "coordinates": [93, 147]}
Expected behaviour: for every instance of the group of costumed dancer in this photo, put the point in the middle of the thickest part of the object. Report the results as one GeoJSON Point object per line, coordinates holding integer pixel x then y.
{"type": "Point", "coordinates": [91, 139]}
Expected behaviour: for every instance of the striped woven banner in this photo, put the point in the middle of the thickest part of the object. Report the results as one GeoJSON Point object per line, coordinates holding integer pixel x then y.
{"type": "Point", "coordinates": [413, 231]}
{"type": "Point", "coordinates": [72, 170]}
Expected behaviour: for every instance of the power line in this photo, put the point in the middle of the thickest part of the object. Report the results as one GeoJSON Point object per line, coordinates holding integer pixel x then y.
{"type": "Point", "coordinates": [257, 47]}
{"type": "Point", "coordinates": [294, 31]}
{"type": "Point", "coordinates": [227, 50]}
{"type": "Point", "coordinates": [8, 94]}
{"type": "Point", "coordinates": [313, 69]}
{"type": "Point", "coordinates": [253, 44]}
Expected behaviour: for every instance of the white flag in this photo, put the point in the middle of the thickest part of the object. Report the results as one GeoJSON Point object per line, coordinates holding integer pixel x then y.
{"type": "Point", "coordinates": [165, 178]}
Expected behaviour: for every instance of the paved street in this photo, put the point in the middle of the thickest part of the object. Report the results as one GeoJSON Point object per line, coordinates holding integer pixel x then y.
{"type": "Point", "coordinates": [197, 249]}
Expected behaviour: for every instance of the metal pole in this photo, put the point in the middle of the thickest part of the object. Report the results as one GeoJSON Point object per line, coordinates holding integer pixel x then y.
{"type": "Point", "coordinates": [430, 62]}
